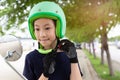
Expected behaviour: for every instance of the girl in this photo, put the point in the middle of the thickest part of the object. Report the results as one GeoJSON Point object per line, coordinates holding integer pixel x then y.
{"type": "Point", "coordinates": [55, 59]}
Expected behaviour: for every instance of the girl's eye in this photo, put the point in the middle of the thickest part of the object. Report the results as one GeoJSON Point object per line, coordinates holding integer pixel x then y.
{"type": "Point", "coordinates": [47, 28]}
{"type": "Point", "coordinates": [37, 29]}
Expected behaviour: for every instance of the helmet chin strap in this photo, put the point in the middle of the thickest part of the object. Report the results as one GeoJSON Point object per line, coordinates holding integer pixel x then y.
{"type": "Point", "coordinates": [43, 51]}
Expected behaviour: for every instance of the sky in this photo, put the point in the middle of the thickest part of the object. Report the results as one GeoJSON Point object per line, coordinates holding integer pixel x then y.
{"type": "Point", "coordinates": [115, 31]}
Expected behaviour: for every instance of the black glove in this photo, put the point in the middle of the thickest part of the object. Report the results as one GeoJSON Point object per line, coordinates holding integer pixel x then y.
{"type": "Point", "coordinates": [49, 63]}
{"type": "Point", "coordinates": [69, 49]}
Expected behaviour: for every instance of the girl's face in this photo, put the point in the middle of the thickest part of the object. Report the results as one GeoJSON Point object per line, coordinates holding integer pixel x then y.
{"type": "Point", "coordinates": [45, 32]}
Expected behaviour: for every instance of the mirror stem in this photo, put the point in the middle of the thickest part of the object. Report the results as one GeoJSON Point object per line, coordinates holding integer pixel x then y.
{"type": "Point", "coordinates": [15, 70]}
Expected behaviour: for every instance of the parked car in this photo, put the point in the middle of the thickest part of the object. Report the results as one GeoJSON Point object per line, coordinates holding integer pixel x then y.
{"type": "Point", "coordinates": [118, 44]}
{"type": "Point", "coordinates": [78, 45]}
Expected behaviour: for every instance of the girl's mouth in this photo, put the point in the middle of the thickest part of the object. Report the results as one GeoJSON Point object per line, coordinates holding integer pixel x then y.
{"type": "Point", "coordinates": [44, 40]}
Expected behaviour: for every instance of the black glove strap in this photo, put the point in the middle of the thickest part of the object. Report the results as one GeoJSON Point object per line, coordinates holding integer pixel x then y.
{"type": "Point", "coordinates": [57, 46]}
{"type": "Point", "coordinates": [74, 60]}
{"type": "Point", "coordinates": [49, 61]}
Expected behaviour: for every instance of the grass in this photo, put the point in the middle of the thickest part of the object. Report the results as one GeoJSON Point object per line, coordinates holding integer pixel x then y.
{"type": "Point", "coordinates": [102, 70]}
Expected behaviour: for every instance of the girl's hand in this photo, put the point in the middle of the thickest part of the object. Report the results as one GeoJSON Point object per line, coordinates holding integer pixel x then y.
{"type": "Point", "coordinates": [69, 49]}
{"type": "Point", "coordinates": [49, 63]}
{"type": "Point", "coordinates": [42, 77]}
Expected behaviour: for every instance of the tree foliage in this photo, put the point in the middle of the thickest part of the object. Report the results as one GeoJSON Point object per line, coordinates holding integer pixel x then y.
{"type": "Point", "coordinates": [86, 17]}
{"type": "Point", "coordinates": [15, 12]}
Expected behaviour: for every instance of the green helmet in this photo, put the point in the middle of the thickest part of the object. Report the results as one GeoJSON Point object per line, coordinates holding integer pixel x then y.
{"type": "Point", "coordinates": [49, 10]}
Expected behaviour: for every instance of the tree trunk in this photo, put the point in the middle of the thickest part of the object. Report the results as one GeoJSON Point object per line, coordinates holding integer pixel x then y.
{"type": "Point", "coordinates": [93, 47]}
{"type": "Point", "coordinates": [105, 47]}
{"type": "Point", "coordinates": [89, 48]}
{"type": "Point", "coordinates": [109, 63]}
{"type": "Point", "coordinates": [84, 45]}
{"type": "Point", "coordinates": [102, 55]}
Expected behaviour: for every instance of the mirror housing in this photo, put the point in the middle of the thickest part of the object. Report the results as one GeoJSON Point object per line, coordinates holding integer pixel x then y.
{"type": "Point", "coordinates": [10, 48]}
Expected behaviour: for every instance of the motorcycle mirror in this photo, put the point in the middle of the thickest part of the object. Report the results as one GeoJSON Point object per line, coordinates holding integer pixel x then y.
{"type": "Point", "coordinates": [10, 48]}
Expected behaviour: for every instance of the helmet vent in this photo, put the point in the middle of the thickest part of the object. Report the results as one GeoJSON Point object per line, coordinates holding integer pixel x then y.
{"type": "Point", "coordinates": [39, 9]}
{"type": "Point", "coordinates": [56, 11]}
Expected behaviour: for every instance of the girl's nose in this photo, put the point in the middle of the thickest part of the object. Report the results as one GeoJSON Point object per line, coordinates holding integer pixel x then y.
{"type": "Point", "coordinates": [42, 33]}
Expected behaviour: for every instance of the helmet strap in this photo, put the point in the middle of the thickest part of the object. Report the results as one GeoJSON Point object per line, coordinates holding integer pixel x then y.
{"type": "Point", "coordinates": [43, 51]}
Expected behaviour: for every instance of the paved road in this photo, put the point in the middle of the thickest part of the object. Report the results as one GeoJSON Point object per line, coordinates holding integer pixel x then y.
{"type": "Point", "coordinates": [115, 56]}
{"type": "Point", "coordinates": [114, 52]}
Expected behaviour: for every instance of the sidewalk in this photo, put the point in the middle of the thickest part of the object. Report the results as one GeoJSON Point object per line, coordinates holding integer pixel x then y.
{"type": "Point", "coordinates": [86, 67]}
